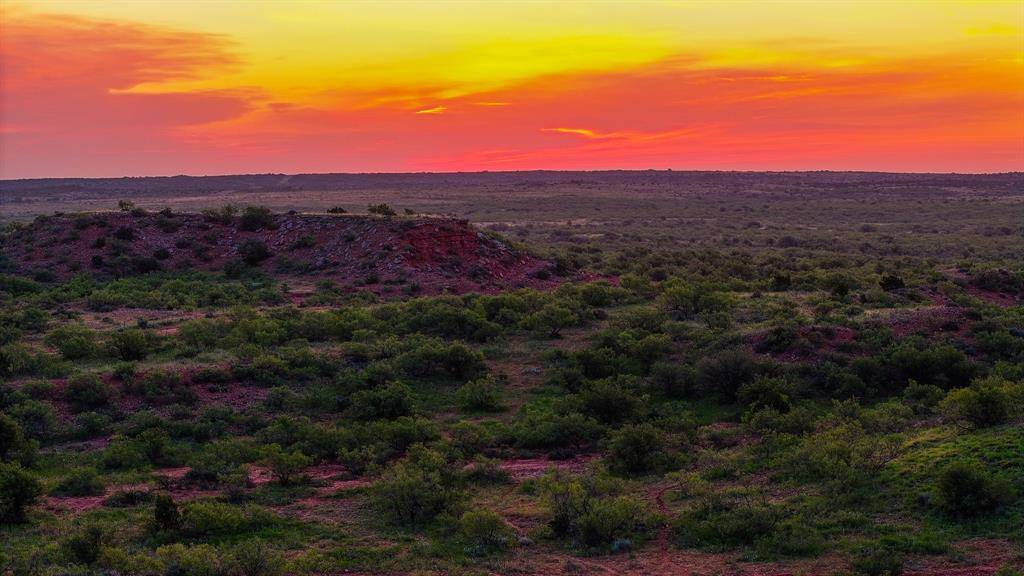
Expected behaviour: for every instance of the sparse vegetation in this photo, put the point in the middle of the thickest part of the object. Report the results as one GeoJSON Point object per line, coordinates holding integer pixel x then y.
{"type": "Point", "coordinates": [836, 392]}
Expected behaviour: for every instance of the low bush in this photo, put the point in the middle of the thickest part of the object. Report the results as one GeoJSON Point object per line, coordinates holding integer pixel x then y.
{"type": "Point", "coordinates": [965, 489]}
{"type": "Point", "coordinates": [252, 252]}
{"type": "Point", "coordinates": [590, 510]}
{"type": "Point", "coordinates": [725, 373]}
{"type": "Point", "coordinates": [674, 380]}
{"type": "Point", "coordinates": [19, 490]}
{"type": "Point", "coordinates": [207, 518]}
{"type": "Point", "coordinates": [197, 560]}
{"type": "Point", "coordinates": [283, 464]}
{"type": "Point", "coordinates": [922, 398]}
{"type": "Point", "coordinates": [37, 418]}
{"type": "Point", "coordinates": [87, 392]}
{"type": "Point", "coordinates": [254, 558]}
{"type": "Point", "coordinates": [161, 387]}
{"type": "Point", "coordinates": [607, 520]}
{"type": "Point", "coordinates": [637, 449]}
{"type": "Point", "coordinates": [73, 342]}
{"type": "Point", "coordinates": [482, 395]}
{"type": "Point", "coordinates": [611, 400]}
{"type": "Point", "coordinates": [81, 482]}
{"type": "Point", "coordinates": [573, 431]}
{"type": "Point", "coordinates": [14, 446]}
{"type": "Point", "coordinates": [129, 344]}
{"type": "Point", "coordinates": [715, 522]}
{"type": "Point", "coordinates": [877, 561]}
{"type": "Point", "coordinates": [381, 210]}
{"type": "Point", "coordinates": [255, 218]}
{"type": "Point", "coordinates": [166, 515]}
{"type": "Point", "coordinates": [85, 544]}
{"type": "Point", "coordinates": [389, 401]}
{"type": "Point", "coordinates": [485, 531]}
{"type": "Point", "coordinates": [982, 405]}
{"type": "Point", "coordinates": [414, 491]}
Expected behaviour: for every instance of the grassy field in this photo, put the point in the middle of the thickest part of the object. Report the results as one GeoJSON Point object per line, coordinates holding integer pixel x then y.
{"type": "Point", "coordinates": [705, 373]}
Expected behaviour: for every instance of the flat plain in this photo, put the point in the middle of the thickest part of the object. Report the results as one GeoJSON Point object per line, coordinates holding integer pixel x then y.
{"type": "Point", "coordinates": [513, 373]}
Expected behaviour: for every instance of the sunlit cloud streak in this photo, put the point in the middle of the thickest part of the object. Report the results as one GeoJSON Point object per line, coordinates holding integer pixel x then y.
{"type": "Point", "coordinates": [114, 90]}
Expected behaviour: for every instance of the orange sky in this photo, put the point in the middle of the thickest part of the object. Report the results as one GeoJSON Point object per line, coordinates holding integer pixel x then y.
{"type": "Point", "coordinates": [148, 87]}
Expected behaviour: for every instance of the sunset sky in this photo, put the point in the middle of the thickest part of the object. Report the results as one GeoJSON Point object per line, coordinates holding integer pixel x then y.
{"type": "Point", "coordinates": [160, 87]}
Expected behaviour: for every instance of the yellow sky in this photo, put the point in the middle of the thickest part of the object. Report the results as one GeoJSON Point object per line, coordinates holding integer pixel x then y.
{"type": "Point", "coordinates": [308, 48]}
{"type": "Point", "coordinates": [167, 86]}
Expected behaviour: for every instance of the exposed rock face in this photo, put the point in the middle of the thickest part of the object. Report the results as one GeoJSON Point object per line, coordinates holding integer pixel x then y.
{"type": "Point", "coordinates": [426, 255]}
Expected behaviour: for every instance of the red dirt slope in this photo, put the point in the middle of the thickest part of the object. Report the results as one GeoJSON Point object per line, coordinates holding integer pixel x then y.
{"type": "Point", "coordinates": [418, 255]}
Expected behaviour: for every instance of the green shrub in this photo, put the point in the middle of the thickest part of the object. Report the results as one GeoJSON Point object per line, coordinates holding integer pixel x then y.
{"type": "Point", "coordinates": [253, 252]}
{"type": "Point", "coordinates": [390, 401]}
{"type": "Point", "coordinates": [589, 510]}
{"type": "Point", "coordinates": [922, 398]}
{"type": "Point", "coordinates": [877, 561]}
{"type": "Point", "coordinates": [123, 455]}
{"type": "Point", "coordinates": [73, 342]}
{"type": "Point", "coordinates": [484, 470]}
{"type": "Point", "coordinates": [844, 456]}
{"type": "Point", "coordinates": [87, 392]}
{"type": "Point", "coordinates": [795, 536]}
{"type": "Point", "coordinates": [223, 215]}
{"type": "Point", "coordinates": [965, 489]}
{"type": "Point", "coordinates": [415, 490]}
{"type": "Point", "coordinates": [14, 446]}
{"type": "Point", "coordinates": [256, 218]}
{"type": "Point", "coordinates": [674, 380]}
{"type": "Point", "coordinates": [38, 388]}
{"type": "Point", "coordinates": [129, 344]}
{"type": "Point", "coordinates": [381, 210]}
{"type": "Point", "coordinates": [37, 418]}
{"type": "Point", "coordinates": [255, 558]}
{"type": "Point", "coordinates": [726, 372]}
{"type": "Point", "coordinates": [302, 242]}
{"type": "Point", "coordinates": [982, 405]}
{"type": "Point", "coordinates": [685, 302]}
{"type": "Point", "coordinates": [485, 531]}
{"type": "Point", "coordinates": [166, 515]}
{"type": "Point", "coordinates": [84, 544]}
{"type": "Point", "coordinates": [611, 400]}
{"type": "Point", "coordinates": [606, 520]}
{"type": "Point", "coordinates": [129, 498]}
{"type": "Point", "coordinates": [718, 523]}
{"type": "Point", "coordinates": [482, 395]}
{"type": "Point", "coordinates": [637, 449]}
{"type": "Point", "coordinates": [432, 359]}
{"type": "Point", "coordinates": [207, 518]}
{"type": "Point", "coordinates": [19, 490]}
{"type": "Point", "coordinates": [81, 482]}
{"type": "Point", "coordinates": [550, 320]}
{"type": "Point", "coordinates": [284, 465]}
{"type": "Point", "coordinates": [197, 560]}
{"type": "Point", "coordinates": [573, 431]}
{"type": "Point", "coordinates": [161, 387]}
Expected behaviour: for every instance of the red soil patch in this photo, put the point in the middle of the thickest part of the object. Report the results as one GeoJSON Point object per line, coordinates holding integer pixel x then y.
{"type": "Point", "coordinates": [430, 255]}
{"type": "Point", "coordinates": [74, 505]}
{"type": "Point", "coordinates": [524, 468]}
{"type": "Point", "coordinates": [811, 343]}
{"type": "Point", "coordinates": [982, 558]}
{"type": "Point", "coordinates": [233, 394]}
{"type": "Point", "coordinates": [943, 316]}
{"type": "Point", "coordinates": [1001, 299]}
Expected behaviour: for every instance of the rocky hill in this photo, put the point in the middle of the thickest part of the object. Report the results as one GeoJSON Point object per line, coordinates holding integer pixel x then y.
{"type": "Point", "coordinates": [418, 255]}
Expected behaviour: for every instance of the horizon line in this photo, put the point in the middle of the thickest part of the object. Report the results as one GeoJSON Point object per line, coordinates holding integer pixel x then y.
{"type": "Point", "coordinates": [555, 171]}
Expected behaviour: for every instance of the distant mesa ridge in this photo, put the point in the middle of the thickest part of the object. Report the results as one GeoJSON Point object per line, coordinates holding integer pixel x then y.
{"type": "Point", "coordinates": [425, 254]}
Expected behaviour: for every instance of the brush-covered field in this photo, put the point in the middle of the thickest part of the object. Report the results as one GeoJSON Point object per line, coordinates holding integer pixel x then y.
{"type": "Point", "coordinates": [600, 373]}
